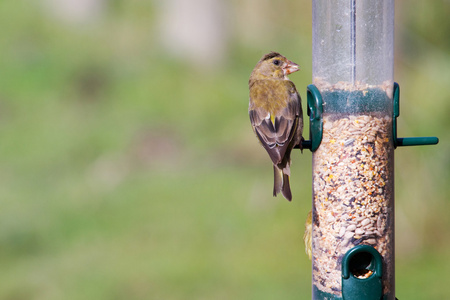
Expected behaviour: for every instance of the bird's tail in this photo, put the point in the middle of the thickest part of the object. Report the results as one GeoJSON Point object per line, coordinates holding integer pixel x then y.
{"type": "Point", "coordinates": [281, 182]}
{"type": "Point", "coordinates": [307, 237]}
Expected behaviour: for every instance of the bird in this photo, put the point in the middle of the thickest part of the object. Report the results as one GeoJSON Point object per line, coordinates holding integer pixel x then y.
{"type": "Point", "coordinates": [276, 115]}
{"type": "Point", "coordinates": [307, 237]}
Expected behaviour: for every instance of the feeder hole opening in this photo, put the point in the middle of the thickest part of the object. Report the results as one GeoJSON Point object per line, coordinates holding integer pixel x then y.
{"type": "Point", "coordinates": [361, 265]}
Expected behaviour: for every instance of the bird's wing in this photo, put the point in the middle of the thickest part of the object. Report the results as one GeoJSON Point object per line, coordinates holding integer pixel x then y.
{"type": "Point", "coordinates": [276, 135]}
{"type": "Point", "coordinates": [266, 133]}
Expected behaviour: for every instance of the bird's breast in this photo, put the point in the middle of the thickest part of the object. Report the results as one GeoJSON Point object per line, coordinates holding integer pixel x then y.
{"type": "Point", "coordinates": [271, 95]}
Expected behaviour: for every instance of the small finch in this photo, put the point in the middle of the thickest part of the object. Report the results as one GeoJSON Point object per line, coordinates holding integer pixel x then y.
{"type": "Point", "coordinates": [307, 237]}
{"type": "Point", "coordinates": [276, 115]}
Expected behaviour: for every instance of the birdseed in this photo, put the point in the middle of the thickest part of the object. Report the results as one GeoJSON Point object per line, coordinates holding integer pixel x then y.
{"type": "Point", "coordinates": [352, 195]}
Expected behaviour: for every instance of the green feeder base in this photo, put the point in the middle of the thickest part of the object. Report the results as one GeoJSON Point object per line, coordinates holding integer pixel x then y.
{"type": "Point", "coordinates": [319, 295]}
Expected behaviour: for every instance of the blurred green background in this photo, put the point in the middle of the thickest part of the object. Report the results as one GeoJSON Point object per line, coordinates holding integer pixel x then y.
{"type": "Point", "coordinates": [129, 170]}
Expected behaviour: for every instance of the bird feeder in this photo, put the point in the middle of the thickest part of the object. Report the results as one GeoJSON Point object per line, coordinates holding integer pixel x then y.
{"type": "Point", "coordinates": [353, 104]}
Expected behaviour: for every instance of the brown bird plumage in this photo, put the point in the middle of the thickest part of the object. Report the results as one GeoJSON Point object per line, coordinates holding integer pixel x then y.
{"type": "Point", "coordinates": [276, 114]}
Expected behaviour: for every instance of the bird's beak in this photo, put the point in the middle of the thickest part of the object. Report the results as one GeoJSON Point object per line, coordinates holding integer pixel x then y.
{"type": "Point", "coordinates": [290, 67]}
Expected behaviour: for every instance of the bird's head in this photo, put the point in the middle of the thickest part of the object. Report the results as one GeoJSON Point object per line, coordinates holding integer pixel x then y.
{"type": "Point", "coordinates": [274, 65]}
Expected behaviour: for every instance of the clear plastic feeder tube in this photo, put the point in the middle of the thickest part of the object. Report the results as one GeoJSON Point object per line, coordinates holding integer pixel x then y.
{"type": "Point", "coordinates": [353, 168]}
{"type": "Point", "coordinates": [353, 42]}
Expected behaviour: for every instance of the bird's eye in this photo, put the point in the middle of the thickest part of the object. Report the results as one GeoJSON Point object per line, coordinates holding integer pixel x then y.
{"type": "Point", "coordinates": [276, 62]}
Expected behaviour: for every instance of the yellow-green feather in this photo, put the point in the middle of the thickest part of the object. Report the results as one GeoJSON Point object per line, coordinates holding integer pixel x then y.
{"type": "Point", "coordinates": [271, 95]}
